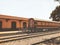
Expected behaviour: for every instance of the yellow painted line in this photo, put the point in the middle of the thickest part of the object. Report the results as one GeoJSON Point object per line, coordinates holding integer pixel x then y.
{"type": "Point", "coordinates": [7, 32]}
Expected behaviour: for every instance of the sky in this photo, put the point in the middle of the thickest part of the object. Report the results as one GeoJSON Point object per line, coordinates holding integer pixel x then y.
{"type": "Point", "coordinates": [40, 9]}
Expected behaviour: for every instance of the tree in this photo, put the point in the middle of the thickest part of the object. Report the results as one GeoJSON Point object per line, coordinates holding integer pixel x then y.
{"type": "Point", "coordinates": [57, 0]}
{"type": "Point", "coordinates": [55, 15]}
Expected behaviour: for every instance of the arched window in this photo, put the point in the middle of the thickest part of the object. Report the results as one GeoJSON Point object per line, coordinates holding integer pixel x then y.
{"type": "Point", "coordinates": [13, 25]}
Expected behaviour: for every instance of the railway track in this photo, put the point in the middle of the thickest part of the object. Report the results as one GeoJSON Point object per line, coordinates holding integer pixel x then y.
{"type": "Point", "coordinates": [18, 35]}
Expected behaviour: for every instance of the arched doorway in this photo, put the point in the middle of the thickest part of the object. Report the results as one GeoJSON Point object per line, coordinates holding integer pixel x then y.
{"type": "Point", "coordinates": [13, 25]}
{"type": "Point", "coordinates": [0, 25]}
{"type": "Point", "coordinates": [24, 25]}
{"type": "Point", "coordinates": [31, 24]}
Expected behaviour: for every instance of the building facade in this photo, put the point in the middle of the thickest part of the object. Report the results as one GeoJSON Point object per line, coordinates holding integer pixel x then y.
{"type": "Point", "coordinates": [12, 23]}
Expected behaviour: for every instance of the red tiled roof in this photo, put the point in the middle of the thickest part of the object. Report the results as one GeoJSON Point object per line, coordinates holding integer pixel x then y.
{"type": "Point", "coordinates": [12, 17]}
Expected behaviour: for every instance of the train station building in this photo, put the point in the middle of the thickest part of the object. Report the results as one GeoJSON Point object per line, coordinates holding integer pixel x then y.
{"type": "Point", "coordinates": [12, 22]}
{"type": "Point", "coordinates": [17, 23]}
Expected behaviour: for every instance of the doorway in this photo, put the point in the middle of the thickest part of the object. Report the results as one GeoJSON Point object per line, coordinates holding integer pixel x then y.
{"type": "Point", "coordinates": [24, 25]}
{"type": "Point", "coordinates": [13, 25]}
{"type": "Point", "coordinates": [0, 25]}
